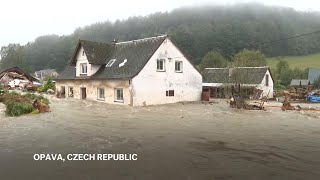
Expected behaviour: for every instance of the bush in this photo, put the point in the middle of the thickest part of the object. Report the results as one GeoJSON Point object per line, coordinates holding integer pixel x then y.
{"type": "Point", "coordinates": [17, 104]}
{"type": "Point", "coordinates": [13, 93]}
{"type": "Point", "coordinates": [1, 90]}
{"type": "Point", "coordinates": [280, 87]}
{"type": "Point", "coordinates": [49, 85]}
{"type": "Point", "coordinates": [7, 96]}
{"type": "Point", "coordinates": [18, 108]}
{"type": "Point", "coordinates": [32, 96]}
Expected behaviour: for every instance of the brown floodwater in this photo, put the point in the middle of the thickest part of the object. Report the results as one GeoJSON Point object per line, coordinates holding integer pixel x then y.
{"type": "Point", "coordinates": [177, 141]}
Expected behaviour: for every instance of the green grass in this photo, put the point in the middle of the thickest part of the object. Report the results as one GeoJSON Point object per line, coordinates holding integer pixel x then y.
{"type": "Point", "coordinates": [301, 62]}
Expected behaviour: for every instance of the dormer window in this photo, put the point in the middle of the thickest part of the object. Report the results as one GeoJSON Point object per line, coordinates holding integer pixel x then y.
{"type": "Point", "coordinates": [110, 63]}
{"type": "Point", "coordinates": [84, 68]}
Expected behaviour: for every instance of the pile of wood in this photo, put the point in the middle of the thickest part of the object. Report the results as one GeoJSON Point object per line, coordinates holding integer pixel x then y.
{"type": "Point", "coordinates": [295, 94]}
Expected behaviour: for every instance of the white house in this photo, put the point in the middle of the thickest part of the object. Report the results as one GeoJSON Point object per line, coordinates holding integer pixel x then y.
{"type": "Point", "coordinates": [220, 80]}
{"type": "Point", "coordinates": [140, 72]}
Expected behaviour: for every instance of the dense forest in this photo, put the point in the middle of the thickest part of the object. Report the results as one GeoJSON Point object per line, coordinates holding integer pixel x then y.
{"type": "Point", "coordinates": [195, 30]}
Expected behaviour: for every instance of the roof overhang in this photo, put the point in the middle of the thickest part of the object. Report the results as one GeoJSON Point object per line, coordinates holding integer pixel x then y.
{"type": "Point", "coordinates": [227, 84]}
{"type": "Point", "coordinates": [73, 58]}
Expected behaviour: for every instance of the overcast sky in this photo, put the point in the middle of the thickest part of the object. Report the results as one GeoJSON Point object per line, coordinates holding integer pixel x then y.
{"type": "Point", "coordinates": [24, 20]}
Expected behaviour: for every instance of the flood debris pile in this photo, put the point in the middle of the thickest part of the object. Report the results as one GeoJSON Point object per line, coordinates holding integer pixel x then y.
{"type": "Point", "coordinates": [314, 96]}
{"type": "Point", "coordinates": [18, 104]}
{"type": "Point", "coordinates": [300, 95]}
{"type": "Point", "coordinates": [286, 105]}
{"type": "Point", "coordinates": [297, 95]}
{"type": "Point", "coordinates": [238, 102]}
{"type": "Point", "coordinates": [16, 79]}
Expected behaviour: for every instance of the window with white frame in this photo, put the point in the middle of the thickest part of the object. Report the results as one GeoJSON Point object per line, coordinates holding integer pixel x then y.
{"type": "Point", "coordinates": [178, 66]}
{"type": "Point", "coordinates": [118, 94]}
{"type": "Point", "coordinates": [101, 94]}
{"type": "Point", "coordinates": [160, 65]}
{"type": "Point", "coordinates": [84, 68]}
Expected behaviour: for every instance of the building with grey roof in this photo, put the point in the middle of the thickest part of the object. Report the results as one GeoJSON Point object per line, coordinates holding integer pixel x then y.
{"type": "Point", "coordinates": [300, 82]}
{"type": "Point", "coordinates": [45, 73]}
{"type": "Point", "coordinates": [219, 80]}
{"type": "Point", "coordinates": [139, 72]}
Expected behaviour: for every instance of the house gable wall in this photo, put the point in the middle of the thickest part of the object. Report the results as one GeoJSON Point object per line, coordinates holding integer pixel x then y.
{"type": "Point", "coordinates": [266, 89]}
{"type": "Point", "coordinates": [149, 86]}
{"type": "Point", "coordinates": [80, 58]}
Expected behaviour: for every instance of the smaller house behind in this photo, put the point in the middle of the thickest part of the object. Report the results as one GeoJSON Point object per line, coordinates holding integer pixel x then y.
{"type": "Point", "coordinates": [221, 81]}
{"type": "Point", "coordinates": [301, 83]}
{"type": "Point", "coordinates": [43, 74]}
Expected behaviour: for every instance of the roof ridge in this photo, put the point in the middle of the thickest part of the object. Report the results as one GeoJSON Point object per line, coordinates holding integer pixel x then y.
{"type": "Point", "coordinates": [130, 41]}
{"type": "Point", "coordinates": [253, 67]}
{"type": "Point", "coordinates": [143, 39]}
{"type": "Point", "coordinates": [216, 68]}
{"type": "Point", "coordinates": [104, 43]}
{"type": "Point", "coordinates": [257, 67]}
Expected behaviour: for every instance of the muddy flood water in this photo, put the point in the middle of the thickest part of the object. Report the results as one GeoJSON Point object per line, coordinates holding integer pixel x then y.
{"type": "Point", "coordinates": [178, 141]}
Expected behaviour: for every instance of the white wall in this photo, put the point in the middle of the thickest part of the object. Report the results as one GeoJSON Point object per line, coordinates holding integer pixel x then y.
{"type": "Point", "coordinates": [83, 59]}
{"type": "Point", "coordinates": [267, 89]}
{"type": "Point", "coordinates": [149, 86]}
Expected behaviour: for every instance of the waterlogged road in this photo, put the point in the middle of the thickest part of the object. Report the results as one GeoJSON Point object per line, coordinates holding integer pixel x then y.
{"type": "Point", "coordinates": [190, 141]}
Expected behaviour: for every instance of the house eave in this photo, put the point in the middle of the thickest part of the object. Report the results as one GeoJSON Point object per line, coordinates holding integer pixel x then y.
{"type": "Point", "coordinates": [227, 84]}
{"type": "Point", "coordinates": [75, 79]}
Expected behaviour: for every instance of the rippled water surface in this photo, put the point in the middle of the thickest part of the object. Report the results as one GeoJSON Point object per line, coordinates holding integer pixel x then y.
{"type": "Point", "coordinates": [178, 141]}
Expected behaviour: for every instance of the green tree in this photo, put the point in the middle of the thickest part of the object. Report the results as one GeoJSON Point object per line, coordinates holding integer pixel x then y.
{"type": "Point", "coordinates": [316, 82]}
{"type": "Point", "coordinates": [195, 30]}
{"type": "Point", "coordinates": [283, 73]}
{"type": "Point", "coordinates": [282, 66]}
{"type": "Point", "coordinates": [213, 59]}
{"type": "Point", "coordinates": [249, 58]}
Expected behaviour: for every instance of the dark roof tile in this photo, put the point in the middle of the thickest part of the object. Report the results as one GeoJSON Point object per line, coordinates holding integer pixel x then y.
{"type": "Point", "coordinates": [242, 75]}
{"type": "Point", "coordinates": [137, 53]}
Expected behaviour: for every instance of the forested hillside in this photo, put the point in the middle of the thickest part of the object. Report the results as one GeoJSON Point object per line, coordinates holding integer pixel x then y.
{"type": "Point", "coordinates": [196, 31]}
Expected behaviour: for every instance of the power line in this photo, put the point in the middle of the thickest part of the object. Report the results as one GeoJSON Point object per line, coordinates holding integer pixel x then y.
{"type": "Point", "coordinates": [292, 37]}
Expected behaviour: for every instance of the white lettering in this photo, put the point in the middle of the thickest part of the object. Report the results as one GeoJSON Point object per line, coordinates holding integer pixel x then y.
{"type": "Point", "coordinates": [36, 157]}
{"type": "Point", "coordinates": [134, 157]}
{"type": "Point", "coordinates": [70, 157]}
{"type": "Point", "coordinates": [99, 158]}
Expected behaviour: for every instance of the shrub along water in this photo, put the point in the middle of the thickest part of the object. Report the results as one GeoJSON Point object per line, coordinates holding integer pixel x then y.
{"type": "Point", "coordinates": [17, 104]}
{"type": "Point", "coordinates": [49, 85]}
{"type": "Point", "coordinates": [18, 108]}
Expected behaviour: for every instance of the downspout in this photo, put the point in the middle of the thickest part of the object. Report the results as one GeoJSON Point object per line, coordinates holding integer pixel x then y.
{"type": "Point", "coordinates": [131, 92]}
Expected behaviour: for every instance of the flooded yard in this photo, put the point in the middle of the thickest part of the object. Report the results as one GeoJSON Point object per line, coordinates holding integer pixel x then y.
{"type": "Point", "coordinates": [176, 141]}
